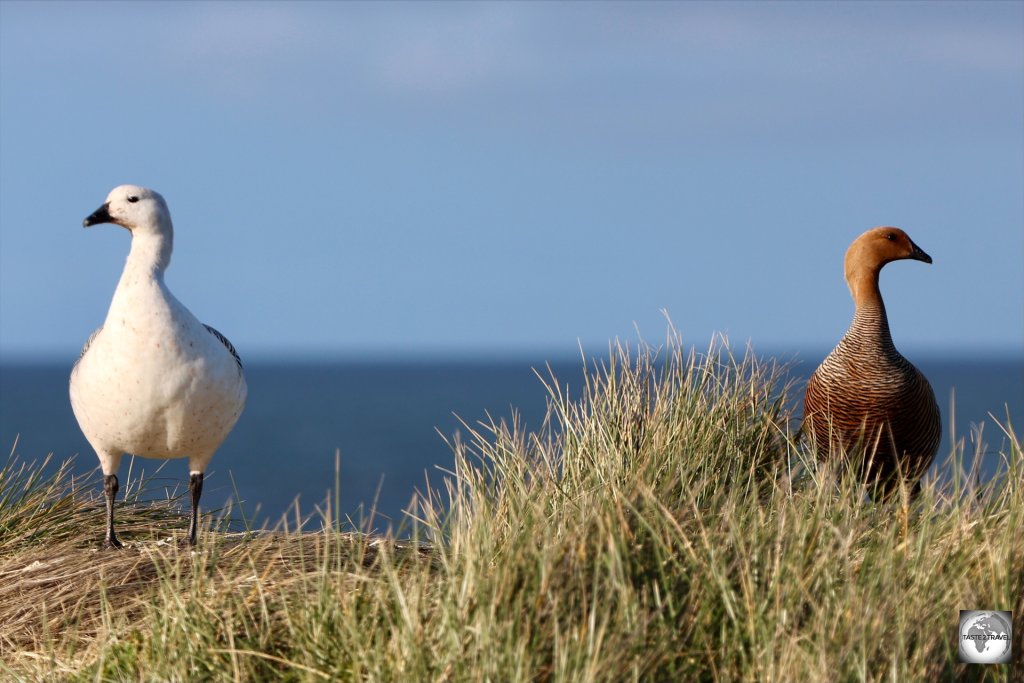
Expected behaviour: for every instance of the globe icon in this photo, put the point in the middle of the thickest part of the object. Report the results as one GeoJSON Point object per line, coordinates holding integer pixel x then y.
{"type": "Point", "coordinates": [985, 638]}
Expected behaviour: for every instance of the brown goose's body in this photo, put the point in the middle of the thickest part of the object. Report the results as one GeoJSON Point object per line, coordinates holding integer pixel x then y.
{"type": "Point", "coordinates": [865, 395]}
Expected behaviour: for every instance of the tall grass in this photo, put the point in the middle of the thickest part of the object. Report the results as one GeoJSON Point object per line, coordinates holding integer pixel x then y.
{"type": "Point", "coordinates": [665, 524]}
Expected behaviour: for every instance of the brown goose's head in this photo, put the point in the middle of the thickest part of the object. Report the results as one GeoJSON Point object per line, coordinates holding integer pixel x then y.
{"type": "Point", "coordinates": [879, 246]}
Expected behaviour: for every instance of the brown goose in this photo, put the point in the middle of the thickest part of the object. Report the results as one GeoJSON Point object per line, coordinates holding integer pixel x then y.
{"type": "Point", "coordinates": [865, 395]}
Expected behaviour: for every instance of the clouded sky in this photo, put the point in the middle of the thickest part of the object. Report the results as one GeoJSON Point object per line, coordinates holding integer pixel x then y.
{"type": "Point", "coordinates": [483, 178]}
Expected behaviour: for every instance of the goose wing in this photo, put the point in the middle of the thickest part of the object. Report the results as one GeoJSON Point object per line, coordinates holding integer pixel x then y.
{"type": "Point", "coordinates": [223, 340]}
{"type": "Point", "coordinates": [88, 343]}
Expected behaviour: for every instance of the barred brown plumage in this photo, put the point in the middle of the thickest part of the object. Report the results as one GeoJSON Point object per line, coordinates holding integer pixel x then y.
{"type": "Point", "coordinates": [865, 398]}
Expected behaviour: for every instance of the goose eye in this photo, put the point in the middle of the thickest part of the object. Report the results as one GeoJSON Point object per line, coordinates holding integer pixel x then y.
{"type": "Point", "coordinates": [134, 199]}
{"type": "Point", "coordinates": [889, 237]}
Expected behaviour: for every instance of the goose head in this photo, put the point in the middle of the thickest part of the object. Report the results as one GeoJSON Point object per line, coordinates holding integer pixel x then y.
{"type": "Point", "coordinates": [137, 209]}
{"type": "Point", "coordinates": [877, 247]}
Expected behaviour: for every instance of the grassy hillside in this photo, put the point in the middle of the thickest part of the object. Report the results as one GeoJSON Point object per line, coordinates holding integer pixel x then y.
{"type": "Point", "coordinates": [663, 525]}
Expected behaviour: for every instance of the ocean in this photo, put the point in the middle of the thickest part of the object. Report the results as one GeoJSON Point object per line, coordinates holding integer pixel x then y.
{"type": "Point", "coordinates": [386, 420]}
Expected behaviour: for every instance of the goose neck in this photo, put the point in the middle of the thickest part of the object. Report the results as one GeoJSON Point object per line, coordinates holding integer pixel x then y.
{"type": "Point", "coordinates": [149, 256]}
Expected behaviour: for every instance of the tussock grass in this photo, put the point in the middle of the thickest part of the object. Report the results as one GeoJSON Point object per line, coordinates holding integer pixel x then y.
{"type": "Point", "coordinates": [665, 524]}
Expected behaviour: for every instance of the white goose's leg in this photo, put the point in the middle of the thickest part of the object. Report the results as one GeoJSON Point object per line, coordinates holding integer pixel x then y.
{"type": "Point", "coordinates": [195, 487]}
{"type": "Point", "coordinates": [196, 469]}
{"type": "Point", "coordinates": [109, 462]}
{"type": "Point", "coordinates": [110, 488]}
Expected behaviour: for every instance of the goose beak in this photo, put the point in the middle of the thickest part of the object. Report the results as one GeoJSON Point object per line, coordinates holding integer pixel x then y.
{"type": "Point", "coordinates": [918, 253]}
{"type": "Point", "coordinates": [100, 215]}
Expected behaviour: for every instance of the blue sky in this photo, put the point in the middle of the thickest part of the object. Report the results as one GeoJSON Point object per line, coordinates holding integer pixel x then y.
{"type": "Point", "coordinates": [489, 178]}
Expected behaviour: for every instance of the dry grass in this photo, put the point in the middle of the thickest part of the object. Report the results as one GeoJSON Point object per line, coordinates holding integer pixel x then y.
{"type": "Point", "coordinates": [664, 525]}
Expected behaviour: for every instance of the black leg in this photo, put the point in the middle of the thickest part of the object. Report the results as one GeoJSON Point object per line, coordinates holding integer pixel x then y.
{"type": "Point", "coordinates": [110, 488]}
{"type": "Point", "coordinates": [195, 486]}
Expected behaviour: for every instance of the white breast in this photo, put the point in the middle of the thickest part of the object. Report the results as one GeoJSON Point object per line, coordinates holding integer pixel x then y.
{"type": "Point", "coordinates": [155, 381]}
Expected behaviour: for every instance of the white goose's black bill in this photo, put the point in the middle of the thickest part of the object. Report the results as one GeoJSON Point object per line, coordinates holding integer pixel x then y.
{"type": "Point", "coordinates": [100, 215]}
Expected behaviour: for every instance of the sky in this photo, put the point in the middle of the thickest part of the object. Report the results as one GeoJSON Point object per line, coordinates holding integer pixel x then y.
{"type": "Point", "coordinates": [449, 179]}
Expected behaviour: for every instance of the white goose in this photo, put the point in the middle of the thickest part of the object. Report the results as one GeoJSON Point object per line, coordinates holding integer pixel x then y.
{"type": "Point", "coordinates": [153, 380]}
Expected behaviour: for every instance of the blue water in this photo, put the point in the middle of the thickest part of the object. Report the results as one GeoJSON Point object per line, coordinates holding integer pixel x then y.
{"type": "Point", "coordinates": [386, 419]}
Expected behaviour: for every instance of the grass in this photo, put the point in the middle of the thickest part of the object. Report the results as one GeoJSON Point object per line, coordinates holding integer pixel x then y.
{"type": "Point", "coordinates": [664, 525]}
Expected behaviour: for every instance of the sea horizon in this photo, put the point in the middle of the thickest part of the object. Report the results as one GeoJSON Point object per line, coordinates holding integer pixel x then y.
{"type": "Point", "coordinates": [389, 418]}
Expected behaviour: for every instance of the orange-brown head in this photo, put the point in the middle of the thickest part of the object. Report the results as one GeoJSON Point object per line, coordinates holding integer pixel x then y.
{"type": "Point", "coordinates": [871, 251]}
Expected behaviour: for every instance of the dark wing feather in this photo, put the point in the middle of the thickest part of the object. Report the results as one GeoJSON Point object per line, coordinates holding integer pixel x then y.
{"type": "Point", "coordinates": [224, 340]}
{"type": "Point", "coordinates": [88, 343]}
